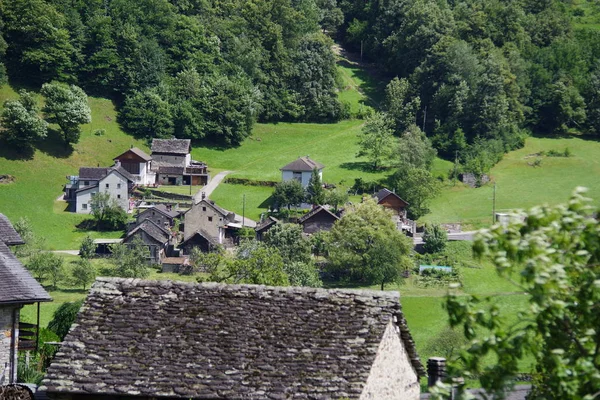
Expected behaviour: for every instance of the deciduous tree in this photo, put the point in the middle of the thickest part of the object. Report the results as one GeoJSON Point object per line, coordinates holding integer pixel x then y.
{"type": "Point", "coordinates": [288, 193]}
{"type": "Point", "coordinates": [83, 272]}
{"type": "Point", "coordinates": [66, 106]}
{"type": "Point", "coordinates": [376, 140]}
{"type": "Point", "coordinates": [22, 125]}
{"type": "Point", "coordinates": [130, 260]}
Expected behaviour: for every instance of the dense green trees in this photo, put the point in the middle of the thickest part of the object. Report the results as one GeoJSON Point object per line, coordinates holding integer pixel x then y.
{"type": "Point", "coordinates": [478, 75]}
{"type": "Point", "coordinates": [193, 69]}
{"type": "Point", "coordinates": [288, 193]}
{"type": "Point", "coordinates": [67, 107]}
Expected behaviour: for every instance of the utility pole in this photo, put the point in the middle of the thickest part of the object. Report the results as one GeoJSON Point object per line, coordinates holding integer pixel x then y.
{"type": "Point", "coordinates": [424, 118]}
{"type": "Point", "coordinates": [244, 211]}
{"type": "Point", "coordinates": [494, 205]}
{"type": "Point", "coordinates": [455, 167]}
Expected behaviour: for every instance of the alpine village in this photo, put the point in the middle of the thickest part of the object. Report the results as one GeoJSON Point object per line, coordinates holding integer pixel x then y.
{"type": "Point", "coordinates": [299, 199]}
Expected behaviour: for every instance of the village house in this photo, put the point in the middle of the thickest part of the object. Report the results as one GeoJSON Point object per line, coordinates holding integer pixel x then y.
{"type": "Point", "coordinates": [301, 170]}
{"type": "Point", "coordinates": [113, 180]}
{"type": "Point", "coordinates": [144, 339]}
{"type": "Point", "coordinates": [17, 288]}
{"type": "Point", "coordinates": [138, 164]}
{"type": "Point", "coordinates": [212, 224]}
{"type": "Point", "coordinates": [318, 219]}
{"type": "Point", "coordinates": [161, 215]}
{"type": "Point", "coordinates": [391, 201]}
{"type": "Point", "coordinates": [172, 163]}
{"type": "Point", "coordinates": [264, 225]}
{"type": "Point", "coordinates": [155, 237]}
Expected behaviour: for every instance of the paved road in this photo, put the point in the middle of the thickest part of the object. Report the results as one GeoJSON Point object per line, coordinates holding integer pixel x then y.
{"type": "Point", "coordinates": [211, 186]}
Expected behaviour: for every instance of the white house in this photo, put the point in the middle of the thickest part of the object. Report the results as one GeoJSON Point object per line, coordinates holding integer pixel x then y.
{"type": "Point", "coordinates": [114, 180]}
{"type": "Point", "coordinates": [138, 164]}
{"type": "Point", "coordinates": [301, 170]}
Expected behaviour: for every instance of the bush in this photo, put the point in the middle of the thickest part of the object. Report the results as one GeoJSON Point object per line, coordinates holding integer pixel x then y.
{"type": "Point", "coordinates": [63, 318]}
{"type": "Point", "coordinates": [434, 238]}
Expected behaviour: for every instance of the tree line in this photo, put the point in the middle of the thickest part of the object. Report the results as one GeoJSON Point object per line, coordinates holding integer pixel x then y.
{"type": "Point", "coordinates": [477, 76]}
{"type": "Point", "coordinates": [185, 68]}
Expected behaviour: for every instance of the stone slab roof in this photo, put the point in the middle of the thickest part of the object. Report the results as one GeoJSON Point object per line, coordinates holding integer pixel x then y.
{"type": "Point", "coordinates": [8, 234]}
{"type": "Point", "coordinates": [315, 211]}
{"type": "Point", "coordinates": [210, 340]}
{"type": "Point", "coordinates": [519, 392]}
{"type": "Point", "coordinates": [96, 174]}
{"type": "Point", "coordinates": [266, 224]}
{"type": "Point", "coordinates": [17, 286]}
{"type": "Point", "coordinates": [171, 146]}
{"type": "Point", "coordinates": [163, 210]}
{"type": "Point", "coordinates": [154, 231]}
{"type": "Point", "coordinates": [383, 193]}
{"type": "Point", "coordinates": [302, 164]}
{"type": "Point", "coordinates": [140, 153]}
{"type": "Point", "coordinates": [170, 170]}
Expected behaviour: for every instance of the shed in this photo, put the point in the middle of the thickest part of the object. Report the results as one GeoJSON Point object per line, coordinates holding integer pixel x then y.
{"type": "Point", "coordinates": [318, 219]}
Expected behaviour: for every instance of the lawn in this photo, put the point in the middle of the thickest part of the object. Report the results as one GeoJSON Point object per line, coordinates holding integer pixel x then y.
{"type": "Point", "coordinates": [520, 185]}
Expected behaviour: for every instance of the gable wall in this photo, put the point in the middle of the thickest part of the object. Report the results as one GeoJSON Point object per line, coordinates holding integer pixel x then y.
{"type": "Point", "coordinates": [113, 180]}
{"type": "Point", "coordinates": [6, 333]}
{"type": "Point", "coordinates": [392, 376]}
{"type": "Point", "coordinates": [171, 159]}
{"type": "Point", "coordinates": [155, 216]}
{"type": "Point", "coordinates": [289, 175]}
{"type": "Point", "coordinates": [196, 218]}
{"type": "Point", "coordinates": [85, 197]}
{"type": "Point", "coordinates": [319, 222]}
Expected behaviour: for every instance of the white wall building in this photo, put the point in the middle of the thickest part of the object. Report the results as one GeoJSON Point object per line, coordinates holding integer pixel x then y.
{"type": "Point", "coordinates": [301, 170]}
{"type": "Point", "coordinates": [114, 180]}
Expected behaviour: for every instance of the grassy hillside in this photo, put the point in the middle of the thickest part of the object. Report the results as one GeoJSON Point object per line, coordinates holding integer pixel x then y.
{"type": "Point", "coordinates": [39, 181]}
{"type": "Point", "coordinates": [521, 185]}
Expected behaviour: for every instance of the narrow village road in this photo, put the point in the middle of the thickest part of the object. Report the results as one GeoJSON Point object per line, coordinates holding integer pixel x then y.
{"type": "Point", "coordinates": [211, 186]}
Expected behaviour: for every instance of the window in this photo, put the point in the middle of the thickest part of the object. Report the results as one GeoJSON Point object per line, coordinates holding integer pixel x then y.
{"type": "Point", "coordinates": [107, 185]}
{"type": "Point", "coordinates": [84, 206]}
{"type": "Point", "coordinates": [86, 183]}
{"type": "Point", "coordinates": [118, 186]}
{"type": "Point", "coordinates": [209, 219]}
{"type": "Point", "coordinates": [204, 209]}
{"type": "Point", "coordinates": [298, 176]}
{"type": "Point", "coordinates": [118, 196]}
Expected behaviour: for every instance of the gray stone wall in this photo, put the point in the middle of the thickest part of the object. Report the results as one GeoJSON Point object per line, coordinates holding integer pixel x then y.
{"type": "Point", "coordinates": [203, 216]}
{"type": "Point", "coordinates": [6, 333]}
{"type": "Point", "coordinates": [392, 376]}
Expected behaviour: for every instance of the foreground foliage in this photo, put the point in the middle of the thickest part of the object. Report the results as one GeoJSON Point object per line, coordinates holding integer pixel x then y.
{"type": "Point", "coordinates": [553, 255]}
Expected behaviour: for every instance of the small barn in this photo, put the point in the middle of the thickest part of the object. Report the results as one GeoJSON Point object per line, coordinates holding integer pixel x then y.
{"type": "Point", "coordinates": [146, 339]}
{"type": "Point", "coordinates": [155, 237]}
{"type": "Point", "coordinates": [138, 164]}
{"type": "Point", "coordinates": [318, 219]}
{"type": "Point", "coordinates": [159, 214]}
{"type": "Point", "coordinates": [263, 226]}
{"type": "Point", "coordinates": [200, 239]}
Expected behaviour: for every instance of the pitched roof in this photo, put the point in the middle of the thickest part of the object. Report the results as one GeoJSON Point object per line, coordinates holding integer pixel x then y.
{"type": "Point", "coordinates": [302, 164]}
{"type": "Point", "coordinates": [211, 340]}
{"type": "Point", "coordinates": [97, 174]}
{"type": "Point", "coordinates": [383, 193]}
{"type": "Point", "coordinates": [163, 210]}
{"type": "Point", "coordinates": [154, 231]}
{"type": "Point", "coordinates": [169, 169]}
{"type": "Point", "coordinates": [213, 205]}
{"type": "Point", "coordinates": [315, 211]}
{"type": "Point", "coordinates": [203, 234]}
{"type": "Point", "coordinates": [171, 146]}
{"type": "Point", "coordinates": [140, 153]}
{"type": "Point", "coordinates": [16, 284]}
{"type": "Point", "coordinates": [8, 234]}
{"type": "Point", "coordinates": [266, 224]}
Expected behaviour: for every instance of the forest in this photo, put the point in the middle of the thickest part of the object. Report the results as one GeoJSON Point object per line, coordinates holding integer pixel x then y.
{"type": "Point", "coordinates": [476, 76]}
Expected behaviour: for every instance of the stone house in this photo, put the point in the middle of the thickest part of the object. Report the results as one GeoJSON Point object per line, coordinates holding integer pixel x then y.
{"type": "Point", "coordinates": [17, 288]}
{"type": "Point", "coordinates": [390, 200]}
{"type": "Point", "coordinates": [173, 165]}
{"type": "Point", "coordinates": [157, 239]}
{"type": "Point", "coordinates": [199, 239]}
{"type": "Point", "coordinates": [145, 339]}
{"type": "Point", "coordinates": [138, 164]}
{"type": "Point", "coordinates": [215, 224]}
{"type": "Point", "coordinates": [159, 214]}
{"type": "Point", "coordinates": [301, 170]}
{"type": "Point", "coordinates": [318, 219]}
{"type": "Point", "coordinates": [114, 180]}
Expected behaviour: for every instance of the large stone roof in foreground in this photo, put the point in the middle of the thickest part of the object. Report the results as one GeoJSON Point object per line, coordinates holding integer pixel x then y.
{"type": "Point", "coordinates": [207, 341]}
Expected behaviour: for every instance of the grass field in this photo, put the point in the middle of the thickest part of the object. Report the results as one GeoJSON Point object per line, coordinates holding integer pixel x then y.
{"type": "Point", "coordinates": [519, 185]}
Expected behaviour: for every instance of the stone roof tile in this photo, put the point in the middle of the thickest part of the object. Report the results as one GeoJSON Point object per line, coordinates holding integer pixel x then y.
{"type": "Point", "coordinates": [171, 146]}
{"type": "Point", "coordinates": [210, 340]}
{"type": "Point", "coordinates": [8, 234]}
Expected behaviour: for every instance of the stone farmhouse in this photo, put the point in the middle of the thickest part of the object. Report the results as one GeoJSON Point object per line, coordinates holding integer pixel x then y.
{"type": "Point", "coordinates": [17, 288]}
{"type": "Point", "coordinates": [161, 215]}
{"type": "Point", "coordinates": [301, 170]}
{"type": "Point", "coordinates": [155, 237]}
{"type": "Point", "coordinates": [142, 339]}
{"type": "Point", "coordinates": [113, 180]}
{"type": "Point", "coordinates": [172, 163]}
{"type": "Point", "coordinates": [207, 224]}
{"type": "Point", "coordinates": [138, 164]}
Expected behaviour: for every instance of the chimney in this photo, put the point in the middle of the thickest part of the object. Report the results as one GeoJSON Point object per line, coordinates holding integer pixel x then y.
{"type": "Point", "coordinates": [436, 370]}
{"type": "Point", "coordinates": [117, 163]}
{"type": "Point", "coordinates": [203, 195]}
